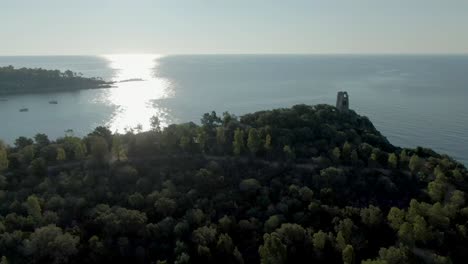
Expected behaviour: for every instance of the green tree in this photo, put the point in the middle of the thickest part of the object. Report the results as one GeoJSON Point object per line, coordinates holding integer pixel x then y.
{"type": "Point", "coordinates": [346, 151]}
{"type": "Point", "coordinates": [220, 136]}
{"type": "Point", "coordinates": [393, 255]}
{"type": "Point", "coordinates": [41, 140]}
{"type": "Point", "coordinates": [421, 230]}
{"type": "Point", "coordinates": [181, 228]}
{"type": "Point", "coordinates": [253, 141]}
{"type": "Point", "coordinates": [225, 244]}
{"type": "Point", "coordinates": [354, 157]}
{"type": "Point", "coordinates": [155, 124]}
{"type": "Point", "coordinates": [3, 157]}
{"type": "Point", "coordinates": [33, 207]}
{"type": "Point", "coordinates": [136, 200]}
{"type": "Point", "coordinates": [319, 240]}
{"type": "Point", "coordinates": [22, 142]}
{"type": "Point", "coordinates": [457, 199]}
{"type": "Point", "coordinates": [27, 154]}
{"type": "Point", "coordinates": [38, 167]}
{"type": "Point", "coordinates": [289, 153]}
{"type": "Point", "coordinates": [103, 132]}
{"type": "Point", "coordinates": [182, 258]}
{"type": "Point", "coordinates": [437, 190]}
{"type": "Point", "coordinates": [238, 143]}
{"type": "Point", "coordinates": [61, 155]}
{"type": "Point", "coordinates": [332, 176]}
{"type": "Point", "coordinates": [118, 149]}
{"type": "Point", "coordinates": [272, 251]}
{"type": "Point", "coordinates": [306, 194]}
{"type": "Point", "coordinates": [204, 235]}
{"type": "Point", "coordinates": [195, 217]}
{"type": "Point", "coordinates": [374, 160]}
{"type": "Point", "coordinates": [393, 161]}
{"type": "Point", "coordinates": [202, 138]}
{"type": "Point", "coordinates": [225, 223]}
{"type": "Point", "coordinates": [210, 120]}
{"type": "Point", "coordinates": [4, 260]}
{"type": "Point", "coordinates": [249, 185]}
{"type": "Point", "coordinates": [457, 175]}
{"type": "Point", "coordinates": [344, 231]}
{"type": "Point", "coordinates": [3, 182]}
{"type": "Point", "coordinates": [79, 150]}
{"type": "Point", "coordinates": [438, 215]}
{"type": "Point", "coordinates": [49, 243]}
{"type": "Point", "coordinates": [272, 223]}
{"type": "Point", "coordinates": [165, 206]}
{"type": "Point", "coordinates": [291, 233]}
{"type": "Point", "coordinates": [268, 146]}
{"type": "Point", "coordinates": [336, 154]}
{"type": "Point", "coordinates": [415, 163]}
{"type": "Point", "coordinates": [118, 220]}
{"type": "Point", "coordinates": [396, 217]}
{"type": "Point", "coordinates": [69, 74]}
{"type": "Point", "coordinates": [96, 246]}
{"type": "Point", "coordinates": [340, 240]}
{"type": "Point", "coordinates": [404, 158]}
{"type": "Point", "coordinates": [348, 254]}
{"type": "Point", "coordinates": [437, 259]}
{"type": "Point", "coordinates": [371, 216]}
{"type": "Point", "coordinates": [185, 143]}
{"type": "Point", "coordinates": [99, 148]}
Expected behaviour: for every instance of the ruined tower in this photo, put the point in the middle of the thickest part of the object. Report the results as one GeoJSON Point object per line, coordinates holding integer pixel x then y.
{"type": "Point", "coordinates": [342, 102]}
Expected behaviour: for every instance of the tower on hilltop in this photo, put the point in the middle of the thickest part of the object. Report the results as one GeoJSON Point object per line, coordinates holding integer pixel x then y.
{"type": "Point", "coordinates": [342, 101]}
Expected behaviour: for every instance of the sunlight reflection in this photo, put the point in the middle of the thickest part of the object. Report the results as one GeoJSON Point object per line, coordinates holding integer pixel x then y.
{"type": "Point", "coordinates": [136, 87]}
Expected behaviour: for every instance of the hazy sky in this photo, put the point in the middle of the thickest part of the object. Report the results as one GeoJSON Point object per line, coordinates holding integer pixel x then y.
{"type": "Point", "coordinates": [58, 27]}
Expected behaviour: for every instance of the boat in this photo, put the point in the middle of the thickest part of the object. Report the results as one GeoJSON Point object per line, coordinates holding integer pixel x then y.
{"type": "Point", "coordinates": [53, 102]}
{"type": "Point", "coordinates": [24, 110]}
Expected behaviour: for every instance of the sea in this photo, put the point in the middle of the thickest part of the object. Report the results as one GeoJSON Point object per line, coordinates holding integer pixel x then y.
{"type": "Point", "coordinates": [414, 100]}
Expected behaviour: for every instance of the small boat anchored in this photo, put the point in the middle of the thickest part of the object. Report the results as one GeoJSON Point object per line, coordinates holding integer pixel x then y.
{"type": "Point", "coordinates": [24, 110]}
{"type": "Point", "coordinates": [53, 102]}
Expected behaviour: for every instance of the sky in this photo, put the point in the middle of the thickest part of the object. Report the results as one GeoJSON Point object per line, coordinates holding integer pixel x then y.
{"type": "Point", "coordinates": [88, 27]}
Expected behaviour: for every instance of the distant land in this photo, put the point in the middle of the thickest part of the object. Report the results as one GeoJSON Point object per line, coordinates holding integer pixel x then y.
{"type": "Point", "coordinates": [29, 80]}
{"type": "Point", "coordinates": [399, 93]}
{"type": "Point", "coordinates": [307, 184]}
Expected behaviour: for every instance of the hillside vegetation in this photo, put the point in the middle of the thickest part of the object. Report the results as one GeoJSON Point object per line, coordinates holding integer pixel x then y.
{"type": "Point", "coordinates": [25, 80]}
{"type": "Point", "coordinates": [306, 184]}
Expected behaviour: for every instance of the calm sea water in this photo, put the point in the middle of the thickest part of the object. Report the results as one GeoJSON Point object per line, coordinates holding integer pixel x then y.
{"type": "Point", "coordinates": [413, 100]}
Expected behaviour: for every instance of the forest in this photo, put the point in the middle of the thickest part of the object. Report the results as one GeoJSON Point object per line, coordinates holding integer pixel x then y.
{"type": "Point", "coordinates": [306, 184]}
{"type": "Point", "coordinates": [25, 80]}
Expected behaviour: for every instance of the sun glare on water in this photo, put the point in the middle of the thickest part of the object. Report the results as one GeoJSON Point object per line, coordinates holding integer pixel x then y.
{"type": "Point", "coordinates": [136, 87]}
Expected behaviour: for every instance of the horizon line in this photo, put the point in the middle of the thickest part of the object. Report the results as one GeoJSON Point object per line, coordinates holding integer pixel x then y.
{"type": "Point", "coordinates": [244, 54]}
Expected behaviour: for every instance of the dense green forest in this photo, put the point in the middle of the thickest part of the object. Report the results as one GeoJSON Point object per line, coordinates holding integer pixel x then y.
{"type": "Point", "coordinates": [306, 184]}
{"type": "Point", "coordinates": [40, 80]}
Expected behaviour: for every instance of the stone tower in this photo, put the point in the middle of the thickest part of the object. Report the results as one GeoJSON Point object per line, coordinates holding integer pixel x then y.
{"type": "Point", "coordinates": [342, 102]}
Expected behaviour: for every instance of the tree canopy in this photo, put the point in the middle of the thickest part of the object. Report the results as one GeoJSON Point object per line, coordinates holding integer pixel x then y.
{"type": "Point", "coordinates": [306, 184]}
{"type": "Point", "coordinates": [23, 80]}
